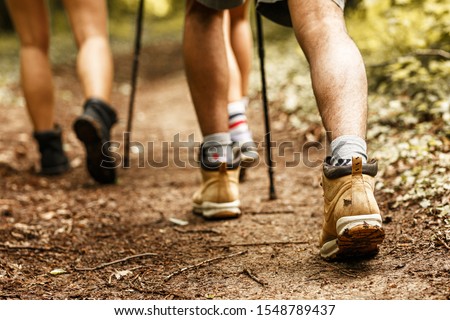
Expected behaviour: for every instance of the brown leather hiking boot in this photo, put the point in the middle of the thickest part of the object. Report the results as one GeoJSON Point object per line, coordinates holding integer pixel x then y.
{"type": "Point", "coordinates": [352, 219]}
{"type": "Point", "coordinates": [218, 197]}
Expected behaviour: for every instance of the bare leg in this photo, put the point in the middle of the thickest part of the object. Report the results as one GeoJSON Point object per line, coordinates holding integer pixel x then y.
{"type": "Point", "coordinates": [337, 69]}
{"type": "Point", "coordinates": [31, 22]}
{"type": "Point", "coordinates": [94, 63]}
{"type": "Point", "coordinates": [239, 44]}
{"type": "Point", "coordinates": [235, 85]}
{"type": "Point", "coordinates": [206, 66]}
{"type": "Point", "coordinates": [242, 43]}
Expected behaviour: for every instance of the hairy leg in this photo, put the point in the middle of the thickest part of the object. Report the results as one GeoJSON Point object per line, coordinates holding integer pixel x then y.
{"type": "Point", "coordinates": [89, 21]}
{"type": "Point", "coordinates": [31, 22]}
{"type": "Point", "coordinates": [337, 68]}
{"type": "Point", "coordinates": [206, 66]}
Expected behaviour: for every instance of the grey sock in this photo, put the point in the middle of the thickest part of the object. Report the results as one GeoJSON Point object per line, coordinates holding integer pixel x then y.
{"type": "Point", "coordinates": [215, 150]}
{"type": "Point", "coordinates": [346, 147]}
{"type": "Point", "coordinates": [220, 138]}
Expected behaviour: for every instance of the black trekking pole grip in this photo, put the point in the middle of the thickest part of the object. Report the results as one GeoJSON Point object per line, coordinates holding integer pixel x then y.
{"type": "Point", "coordinates": [268, 135]}
{"type": "Point", "coordinates": [134, 76]}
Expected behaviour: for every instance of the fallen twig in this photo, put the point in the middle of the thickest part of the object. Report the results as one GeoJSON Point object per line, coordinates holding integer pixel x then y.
{"type": "Point", "coordinates": [251, 244]}
{"type": "Point", "coordinates": [270, 212]}
{"type": "Point", "coordinates": [106, 264]}
{"type": "Point", "coordinates": [7, 247]}
{"type": "Point", "coordinates": [205, 262]}
{"type": "Point", "coordinates": [344, 272]}
{"type": "Point", "coordinates": [443, 242]}
{"type": "Point", "coordinates": [196, 230]}
{"type": "Point", "coordinates": [10, 296]}
{"type": "Point", "coordinates": [253, 277]}
{"type": "Point", "coordinates": [130, 270]}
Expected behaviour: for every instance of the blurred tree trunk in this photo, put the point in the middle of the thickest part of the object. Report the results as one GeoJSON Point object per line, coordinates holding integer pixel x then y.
{"type": "Point", "coordinates": [5, 20]}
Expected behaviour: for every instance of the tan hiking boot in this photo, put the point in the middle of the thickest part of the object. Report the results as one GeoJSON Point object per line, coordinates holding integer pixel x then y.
{"type": "Point", "coordinates": [352, 219]}
{"type": "Point", "coordinates": [218, 197]}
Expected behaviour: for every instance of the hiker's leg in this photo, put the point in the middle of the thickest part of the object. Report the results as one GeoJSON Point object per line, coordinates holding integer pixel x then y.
{"type": "Point", "coordinates": [89, 21]}
{"type": "Point", "coordinates": [242, 42]}
{"type": "Point", "coordinates": [206, 66]}
{"type": "Point", "coordinates": [239, 52]}
{"type": "Point", "coordinates": [235, 83]}
{"type": "Point", "coordinates": [337, 69]}
{"type": "Point", "coordinates": [30, 18]}
{"type": "Point", "coordinates": [352, 223]}
{"type": "Point", "coordinates": [208, 77]}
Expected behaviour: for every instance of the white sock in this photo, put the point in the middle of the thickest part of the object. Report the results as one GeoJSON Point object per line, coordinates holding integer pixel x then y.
{"type": "Point", "coordinates": [220, 138]}
{"type": "Point", "coordinates": [346, 147]}
{"type": "Point", "coordinates": [237, 121]}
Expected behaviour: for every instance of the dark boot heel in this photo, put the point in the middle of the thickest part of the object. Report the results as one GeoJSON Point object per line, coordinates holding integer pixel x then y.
{"type": "Point", "coordinates": [93, 129]}
{"type": "Point", "coordinates": [53, 159]}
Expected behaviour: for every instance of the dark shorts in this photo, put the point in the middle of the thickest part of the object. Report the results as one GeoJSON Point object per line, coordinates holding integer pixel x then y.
{"type": "Point", "coordinates": [221, 4]}
{"type": "Point", "coordinates": [275, 10]}
{"type": "Point", "coordinates": [278, 11]}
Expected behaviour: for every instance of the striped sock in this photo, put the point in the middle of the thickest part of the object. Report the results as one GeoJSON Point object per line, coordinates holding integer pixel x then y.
{"type": "Point", "coordinates": [237, 121]}
{"type": "Point", "coordinates": [346, 147]}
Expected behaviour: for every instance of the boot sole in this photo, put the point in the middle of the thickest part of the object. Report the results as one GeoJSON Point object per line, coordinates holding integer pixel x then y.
{"type": "Point", "coordinates": [216, 211]}
{"type": "Point", "coordinates": [358, 237]}
{"type": "Point", "coordinates": [88, 132]}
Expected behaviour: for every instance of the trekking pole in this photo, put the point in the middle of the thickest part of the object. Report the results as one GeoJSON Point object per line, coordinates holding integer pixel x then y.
{"type": "Point", "coordinates": [268, 135]}
{"type": "Point", "coordinates": [134, 74]}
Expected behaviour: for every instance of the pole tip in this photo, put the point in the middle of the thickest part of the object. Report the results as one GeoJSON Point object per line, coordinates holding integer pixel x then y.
{"type": "Point", "coordinates": [272, 195]}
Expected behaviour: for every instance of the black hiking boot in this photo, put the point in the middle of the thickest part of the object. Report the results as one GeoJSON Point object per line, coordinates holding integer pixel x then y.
{"type": "Point", "coordinates": [93, 129]}
{"type": "Point", "coordinates": [53, 158]}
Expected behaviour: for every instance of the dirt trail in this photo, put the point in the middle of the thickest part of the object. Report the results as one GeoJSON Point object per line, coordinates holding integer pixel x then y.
{"type": "Point", "coordinates": [71, 223]}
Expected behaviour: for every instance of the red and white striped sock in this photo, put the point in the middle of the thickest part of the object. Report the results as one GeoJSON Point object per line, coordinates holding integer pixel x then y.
{"type": "Point", "coordinates": [237, 121]}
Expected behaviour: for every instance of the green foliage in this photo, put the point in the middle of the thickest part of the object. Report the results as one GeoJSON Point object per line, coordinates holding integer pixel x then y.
{"type": "Point", "coordinates": [409, 122]}
{"type": "Point", "coordinates": [405, 44]}
{"type": "Point", "coordinates": [388, 28]}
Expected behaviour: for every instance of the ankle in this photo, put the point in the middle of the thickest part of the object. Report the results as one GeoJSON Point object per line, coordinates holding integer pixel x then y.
{"type": "Point", "coordinates": [344, 148]}
{"type": "Point", "coordinates": [216, 150]}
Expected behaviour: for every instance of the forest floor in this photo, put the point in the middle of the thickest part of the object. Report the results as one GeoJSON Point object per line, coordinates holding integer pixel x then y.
{"type": "Point", "coordinates": [63, 237]}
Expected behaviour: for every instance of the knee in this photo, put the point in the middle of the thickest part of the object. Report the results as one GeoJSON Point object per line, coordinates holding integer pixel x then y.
{"type": "Point", "coordinates": [36, 40]}
{"type": "Point", "coordinates": [198, 14]}
{"type": "Point", "coordinates": [317, 26]}
{"type": "Point", "coordinates": [315, 34]}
